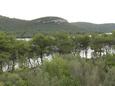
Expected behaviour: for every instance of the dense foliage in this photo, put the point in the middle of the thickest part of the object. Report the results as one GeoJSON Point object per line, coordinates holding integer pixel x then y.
{"type": "Point", "coordinates": [23, 63]}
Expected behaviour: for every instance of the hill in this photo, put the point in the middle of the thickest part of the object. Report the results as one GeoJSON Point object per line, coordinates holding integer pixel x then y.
{"type": "Point", "coordinates": [24, 28]}
{"type": "Point", "coordinates": [90, 27]}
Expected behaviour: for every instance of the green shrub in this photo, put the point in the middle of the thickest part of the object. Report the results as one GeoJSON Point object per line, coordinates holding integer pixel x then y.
{"type": "Point", "coordinates": [110, 78]}
{"type": "Point", "coordinates": [12, 79]}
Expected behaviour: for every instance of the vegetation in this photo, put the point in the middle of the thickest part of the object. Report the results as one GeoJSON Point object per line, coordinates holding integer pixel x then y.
{"type": "Point", "coordinates": [23, 63]}
{"type": "Point", "coordinates": [23, 28]}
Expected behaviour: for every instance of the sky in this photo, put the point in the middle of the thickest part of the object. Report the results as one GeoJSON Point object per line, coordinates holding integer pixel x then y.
{"type": "Point", "coordinates": [95, 11]}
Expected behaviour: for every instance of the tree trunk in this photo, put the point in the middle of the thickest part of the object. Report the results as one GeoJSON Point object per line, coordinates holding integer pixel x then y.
{"type": "Point", "coordinates": [29, 63]}
{"type": "Point", "coordinates": [8, 69]}
{"type": "Point", "coordinates": [100, 53]}
{"type": "Point", "coordinates": [1, 66]}
{"type": "Point", "coordinates": [86, 53]}
{"type": "Point", "coordinates": [41, 56]}
{"type": "Point", "coordinates": [13, 65]}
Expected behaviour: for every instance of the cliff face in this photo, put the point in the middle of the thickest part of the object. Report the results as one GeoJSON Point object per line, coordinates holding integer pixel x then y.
{"type": "Point", "coordinates": [46, 20]}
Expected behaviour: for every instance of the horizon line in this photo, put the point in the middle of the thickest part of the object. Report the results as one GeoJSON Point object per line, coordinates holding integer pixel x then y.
{"type": "Point", "coordinates": [54, 16]}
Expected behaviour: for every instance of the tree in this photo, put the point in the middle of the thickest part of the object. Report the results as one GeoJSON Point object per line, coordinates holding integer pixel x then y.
{"type": "Point", "coordinates": [21, 51]}
{"type": "Point", "coordinates": [81, 43]}
{"type": "Point", "coordinates": [42, 44]}
{"type": "Point", "coordinates": [6, 42]}
{"type": "Point", "coordinates": [64, 43]}
{"type": "Point", "coordinates": [97, 44]}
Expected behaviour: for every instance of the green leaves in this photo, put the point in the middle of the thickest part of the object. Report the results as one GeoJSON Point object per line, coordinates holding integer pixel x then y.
{"type": "Point", "coordinates": [64, 43]}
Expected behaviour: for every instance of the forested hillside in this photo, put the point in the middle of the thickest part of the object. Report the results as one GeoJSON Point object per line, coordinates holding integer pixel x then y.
{"type": "Point", "coordinates": [24, 28]}
{"type": "Point", "coordinates": [85, 27]}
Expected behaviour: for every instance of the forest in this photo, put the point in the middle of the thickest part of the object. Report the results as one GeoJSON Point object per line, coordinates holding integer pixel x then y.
{"type": "Point", "coordinates": [53, 59]}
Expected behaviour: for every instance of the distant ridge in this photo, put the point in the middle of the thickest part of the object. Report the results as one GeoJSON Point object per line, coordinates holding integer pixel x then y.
{"type": "Point", "coordinates": [26, 28]}
{"type": "Point", "coordinates": [107, 27]}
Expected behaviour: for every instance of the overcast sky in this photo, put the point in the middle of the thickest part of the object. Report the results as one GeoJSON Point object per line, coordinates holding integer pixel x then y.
{"type": "Point", "coordinates": [95, 11]}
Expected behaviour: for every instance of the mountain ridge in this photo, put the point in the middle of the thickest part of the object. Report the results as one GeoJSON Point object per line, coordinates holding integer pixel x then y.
{"type": "Point", "coordinates": [50, 24]}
